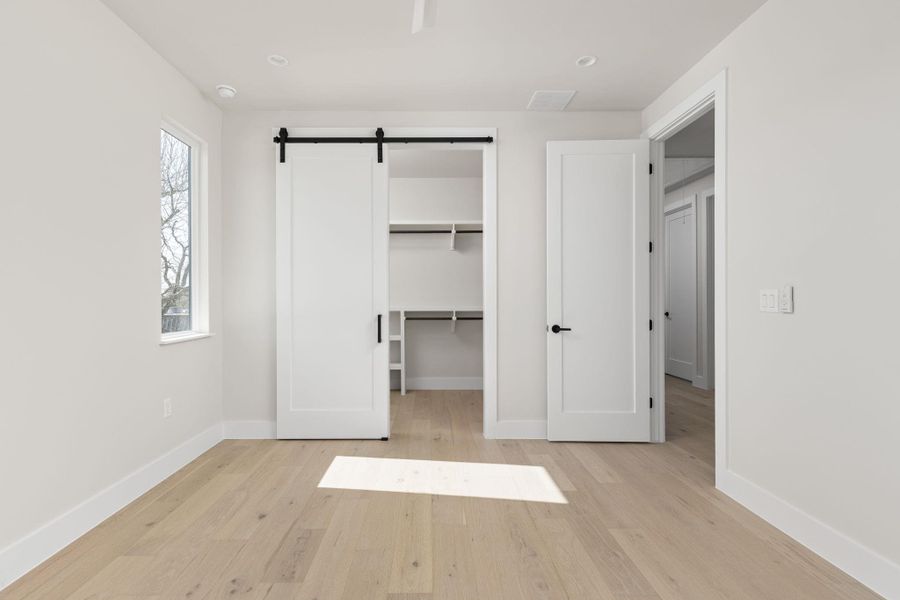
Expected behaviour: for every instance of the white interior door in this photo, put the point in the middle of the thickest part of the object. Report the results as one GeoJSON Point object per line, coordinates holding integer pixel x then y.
{"type": "Point", "coordinates": [681, 293]}
{"type": "Point", "coordinates": [332, 287]}
{"type": "Point", "coordinates": [598, 286]}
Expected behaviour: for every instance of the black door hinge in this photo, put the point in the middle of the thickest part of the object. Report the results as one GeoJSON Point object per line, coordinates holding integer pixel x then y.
{"type": "Point", "coordinates": [651, 324]}
{"type": "Point", "coordinates": [651, 168]}
{"type": "Point", "coordinates": [651, 402]}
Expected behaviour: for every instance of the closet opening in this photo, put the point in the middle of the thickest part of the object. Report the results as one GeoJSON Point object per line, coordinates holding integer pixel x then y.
{"type": "Point", "coordinates": [436, 290]}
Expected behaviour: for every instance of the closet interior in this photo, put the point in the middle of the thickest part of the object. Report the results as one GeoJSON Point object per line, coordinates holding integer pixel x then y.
{"type": "Point", "coordinates": [436, 261]}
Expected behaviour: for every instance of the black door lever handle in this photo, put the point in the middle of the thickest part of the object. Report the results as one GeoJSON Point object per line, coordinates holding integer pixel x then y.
{"type": "Point", "coordinates": [557, 329]}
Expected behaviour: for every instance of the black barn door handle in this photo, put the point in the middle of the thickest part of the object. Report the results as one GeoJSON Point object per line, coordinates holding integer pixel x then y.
{"type": "Point", "coordinates": [379, 329]}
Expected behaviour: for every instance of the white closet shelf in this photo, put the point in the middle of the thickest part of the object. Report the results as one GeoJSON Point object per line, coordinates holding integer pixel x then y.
{"type": "Point", "coordinates": [422, 308]}
{"type": "Point", "coordinates": [395, 338]}
{"type": "Point", "coordinates": [395, 366]}
{"type": "Point", "coordinates": [452, 228]}
{"type": "Point", "coordinates": [460, 224]}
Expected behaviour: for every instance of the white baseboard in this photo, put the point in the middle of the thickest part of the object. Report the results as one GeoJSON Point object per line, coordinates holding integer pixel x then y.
{"type": "Point", "coordinates": [699, 381]}
{"type": "Point", "coordinates": [249, 430]}
{"type": "Point", "coordinates": [865, 565]}
{"type": "Point", "coordinates": [519, 430]}
{"type": "Point", "coordinates": [28, 552]}
{"type": "Point", "coordinates": [444, 383]}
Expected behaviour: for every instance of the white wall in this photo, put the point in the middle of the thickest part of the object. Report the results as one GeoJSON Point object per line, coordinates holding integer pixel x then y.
{"type": "Point", "coordinates": [813, 409]}
{"type": "Point", "coordinates": [248, 177]}
{"type": "Point", "coordinates": [436, 198]}
{"type": "Point", "coordinates": [82, 374]}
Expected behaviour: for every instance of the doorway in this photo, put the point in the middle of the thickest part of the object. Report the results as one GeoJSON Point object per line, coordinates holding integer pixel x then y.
{"type": "Point", "coordinates": [688, 257]}
{"type": "Point", "coordinates": [436, 270]}
{"type": "Point", "coordinates": [334, 233]}
{"type": "Point", "coordinates": [688, 202]}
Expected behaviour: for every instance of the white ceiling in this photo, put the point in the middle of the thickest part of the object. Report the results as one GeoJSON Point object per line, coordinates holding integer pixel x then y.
{"type": "Point", "coordinates": [481, 55]}
{"type": "Point", "coordinates": [697, 140]}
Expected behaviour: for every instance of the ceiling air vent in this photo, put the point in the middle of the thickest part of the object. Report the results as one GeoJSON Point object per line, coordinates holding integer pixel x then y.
{"type": "Point", "coordinates": [551, 99]}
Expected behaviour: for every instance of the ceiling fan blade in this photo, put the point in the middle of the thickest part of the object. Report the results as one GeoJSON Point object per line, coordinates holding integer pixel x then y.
{"type": "Point", "coordinates": [424, 14]}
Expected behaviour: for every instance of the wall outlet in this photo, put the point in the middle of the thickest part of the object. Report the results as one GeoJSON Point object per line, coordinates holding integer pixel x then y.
{"type": "Point", "coordinates": [167, 408]}
{"type": "Point", "coordinates": [786, 299]}
{"type": "Point", "coordinates": [768, 301]}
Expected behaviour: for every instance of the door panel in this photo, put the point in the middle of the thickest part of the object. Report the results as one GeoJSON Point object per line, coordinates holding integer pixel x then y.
{"type": "Point", "coordinates": [598, 285]}
{"type": "Point", "coordinates": [681, 293]}
{"type": "Point", "coordinates": [332, 261]}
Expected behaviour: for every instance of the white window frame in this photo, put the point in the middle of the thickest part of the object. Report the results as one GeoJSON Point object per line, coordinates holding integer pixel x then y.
{"type": "Point", "coordinates": [199, 237]}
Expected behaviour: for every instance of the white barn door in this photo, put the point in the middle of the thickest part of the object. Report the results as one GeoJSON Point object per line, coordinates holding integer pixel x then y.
{"type": "Point", "coordinates": [332, 290]}
{"type": "Point", "coordinates": [598, 291]}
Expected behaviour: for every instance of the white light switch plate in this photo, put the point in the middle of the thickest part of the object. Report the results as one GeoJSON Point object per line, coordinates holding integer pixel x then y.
{"type": "Point", "coordinates": [768, 301]}
{"type": "Point", "coordinates": [786, 299]}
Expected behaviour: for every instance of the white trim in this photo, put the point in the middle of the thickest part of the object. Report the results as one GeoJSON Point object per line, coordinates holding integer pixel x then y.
{"type": "Point", "coordinates": [858, 561]}
{"type": "Point", "coordinates": [713, 94]}
{"type": "Point", "coordinates": [249, 430]}
{"type": "Point", "coordinates": [491, 398]}
{"type": "Point", "coordinates": [25, 554]}
{"type": "Point", "coordinates": [445, 383]}
{"type": "Point", "coordinates": [509, 429]}
{"type": "Point", "coordinates": [657, 293]}
{"type": "Point", "coordinates": [680, 205]}
{"type": "Point", "coordinates": [689, 179]}
{"type": "Point", "coordinates": [704, 372]}
{"type": "Point", "coordinates": [182, 336]}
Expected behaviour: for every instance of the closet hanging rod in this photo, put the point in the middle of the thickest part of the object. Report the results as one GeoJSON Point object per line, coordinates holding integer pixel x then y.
{"type": "Point", "coordinates": [458, 231]}
{"type": "Point", "coordinates": [444, 318]}
{"type": "Point", "coordinates": [283, 138]}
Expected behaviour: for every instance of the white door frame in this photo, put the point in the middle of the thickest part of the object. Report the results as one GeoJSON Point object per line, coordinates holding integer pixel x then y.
{"type": "Point", "coordinates": [705, 377]}
{"type": "Point", "coordinates": [712, 94]}
{"type": "Point", "coordinates": [489, 217]}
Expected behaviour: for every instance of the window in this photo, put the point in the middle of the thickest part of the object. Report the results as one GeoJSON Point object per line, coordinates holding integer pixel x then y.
{"type": "Point", "coordinates": [179, 248]}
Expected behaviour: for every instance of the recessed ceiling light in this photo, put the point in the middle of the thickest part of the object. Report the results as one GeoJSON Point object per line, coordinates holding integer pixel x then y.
{"type": "Point", "coordinates": [586, 61]}
{"type": "Point", "coordinates": [277, 60]}
{"type": "Point", "coordinates": [226, 91]}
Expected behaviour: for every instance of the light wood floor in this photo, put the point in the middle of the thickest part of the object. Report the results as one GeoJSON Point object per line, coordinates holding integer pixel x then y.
{"type": "Point", "coordinates": [246, 520]}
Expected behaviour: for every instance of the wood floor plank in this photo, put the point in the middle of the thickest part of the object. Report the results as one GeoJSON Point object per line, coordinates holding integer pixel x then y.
{"type": "Point", "coordinates": [412, 567]}
{"type": "Point", "coordinates": [248, 520]}
{"type": "Point", "coordinates": [454, 570]}
{"type": "Point", "coordinates": [328, 574]}
{"type": "Point", "coordinates": [373, 556]}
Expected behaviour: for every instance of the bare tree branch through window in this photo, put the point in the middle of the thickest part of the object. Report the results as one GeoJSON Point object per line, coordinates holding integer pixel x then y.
{"type": "Point", "coordinates": [175, 232]}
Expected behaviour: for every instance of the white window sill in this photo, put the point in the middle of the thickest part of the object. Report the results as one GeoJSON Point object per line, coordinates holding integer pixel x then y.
{"type": "Point", "coordinates": [183, 337]}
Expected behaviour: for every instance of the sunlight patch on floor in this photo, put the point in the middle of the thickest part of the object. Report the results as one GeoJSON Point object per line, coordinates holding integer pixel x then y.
{"type": "Point", "coordinates": [477, 480]}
